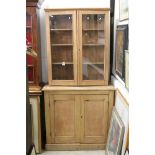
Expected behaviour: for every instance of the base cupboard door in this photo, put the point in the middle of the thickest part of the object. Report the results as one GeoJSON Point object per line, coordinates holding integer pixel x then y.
{"type": "Point", "coordinates": [94, 118]}
{"type": "Point", "coordinates": [65, 118]}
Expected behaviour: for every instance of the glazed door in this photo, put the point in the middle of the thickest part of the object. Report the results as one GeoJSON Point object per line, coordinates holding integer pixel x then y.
{"type": "Point", "coordinates": [61, 47]}
{"type": "Point", "coordinates": [93, 36]}
{"type": "Point", "coordinates": [31, 42]}
{"type": "Point", "coordinates": [65, 119]}
{"type": "Point", "coordinates": [94, 122]}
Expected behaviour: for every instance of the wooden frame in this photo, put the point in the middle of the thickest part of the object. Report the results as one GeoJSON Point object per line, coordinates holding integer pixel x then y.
{"type": "Point", "coordinates": [120, 47]}
{"type": "Point", "coordinates": [49, 55]}
{"type": "Point", "coordinates": [115, 135]}
{"type": "Point", "coordinates": [122, 107]}
{"type": "Point", "coordinates": [127, 69]}
{"type": "Point", "coordinates": [123, 11]}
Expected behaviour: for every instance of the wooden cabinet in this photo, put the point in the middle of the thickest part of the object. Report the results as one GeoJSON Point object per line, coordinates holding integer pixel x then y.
{"type": "Point", "coordinates": [78, 55]}
{"type": "Point", "coordinates": [32, 42]}
{"type": "Point", "coordinates": [77, 117]}
{"type": "Point", "coordinates": [78, 46]}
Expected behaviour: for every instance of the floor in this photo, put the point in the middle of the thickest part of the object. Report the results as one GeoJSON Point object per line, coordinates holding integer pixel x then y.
{"type": "Point", "coordinates": [99, 152]}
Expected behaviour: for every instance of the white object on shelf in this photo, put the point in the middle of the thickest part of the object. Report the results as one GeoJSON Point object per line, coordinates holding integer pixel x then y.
{"type": "Point", "coordinates": [63, 63]}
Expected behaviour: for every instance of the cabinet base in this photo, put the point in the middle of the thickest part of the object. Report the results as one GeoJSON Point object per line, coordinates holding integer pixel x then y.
{"type": "Point", "coordinates": [69, 147]}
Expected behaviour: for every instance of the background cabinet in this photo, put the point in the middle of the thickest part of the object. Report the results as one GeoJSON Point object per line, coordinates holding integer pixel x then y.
{"type": "Point", "coordinates": [34, 97]}
{"type": "Point", "coordinates": [78, 47]}
{"type": "Point", "coordinates": [32, 42]}
{"type": "Point", "coordinates": [36, 124]}
{"type": "Point", "coordinates": [77, 117]}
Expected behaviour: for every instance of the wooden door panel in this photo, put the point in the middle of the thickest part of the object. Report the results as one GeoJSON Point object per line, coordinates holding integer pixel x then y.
{"type": "Point", "coordinates": [90, 116]}
{"type": "Point", "coordinates": [94, 118]}
{"type": "Point", "coordinates": [65, 118]}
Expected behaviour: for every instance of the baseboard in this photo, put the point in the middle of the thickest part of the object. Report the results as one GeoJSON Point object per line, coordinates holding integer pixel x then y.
{"type": "Point", "coordinates": [70, 147]}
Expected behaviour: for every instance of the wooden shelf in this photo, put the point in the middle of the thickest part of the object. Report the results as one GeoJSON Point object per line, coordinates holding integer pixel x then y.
{"type": "Point", "coordinates": [93, 63]}
{"type": "Point", "coordinates": [29, 27]}
{"type": "Point", "coordinates": [93, 44]}
{"type": "Point", "coordinates": [92, 30]}
{"type": "Point", "coordinates": [61, 44]}
{"type": "Point", "coordinates": [61, 29]}
{"type": "Point", "coordinates": [30, 65]}
{"type": "Point", "coordinates": [29, 46]}
{"type": "Point", "coordinates": [60, 63]}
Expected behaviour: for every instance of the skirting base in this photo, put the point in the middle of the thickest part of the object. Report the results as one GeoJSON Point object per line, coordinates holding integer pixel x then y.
{"type": "Point", "coordinates": [69, 147]}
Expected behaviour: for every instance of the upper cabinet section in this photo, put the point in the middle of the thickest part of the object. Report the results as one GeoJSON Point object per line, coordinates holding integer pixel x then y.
{"type": "Point", "coordinates": [77, 47]}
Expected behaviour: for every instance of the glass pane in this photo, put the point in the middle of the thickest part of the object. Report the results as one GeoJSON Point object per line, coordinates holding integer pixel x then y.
{"type": "Point", "coordinates": [61, 37]}
{"type": "Point", "coordinates": [29, 42]}
{"type": "Point", "coordinates": [93, 47]}
{"type": "Point", "coordinates": [93, 37]}
{"type": "Point", "coordinates": [62, 71]}
{"type": "Point", "coordinates": [28, 30]}
{"type": "Point", "coordinates": [91, 21]}
{"type": "Point", "coordinates": [61, 47]}
{"type": "Point", "coordinates": [28, 20]}
{"type": "Point", "coordinates": [30, 73]}
{"type": "Point", "coordinates": [61, 22]}
{"type": "Point", "coordinates": [62, 54]}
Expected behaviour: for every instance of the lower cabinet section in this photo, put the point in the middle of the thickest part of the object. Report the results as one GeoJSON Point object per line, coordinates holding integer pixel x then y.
{"type": "Point", "coordinates": [77, 118]}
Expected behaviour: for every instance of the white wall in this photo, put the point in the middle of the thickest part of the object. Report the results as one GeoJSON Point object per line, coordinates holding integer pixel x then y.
{"type": "Point", "coordinates": [117, 82]}
{"type": "Point", "coordinates": [62, 4]}
{"type": "Point", "coordinates": [76, 4]}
